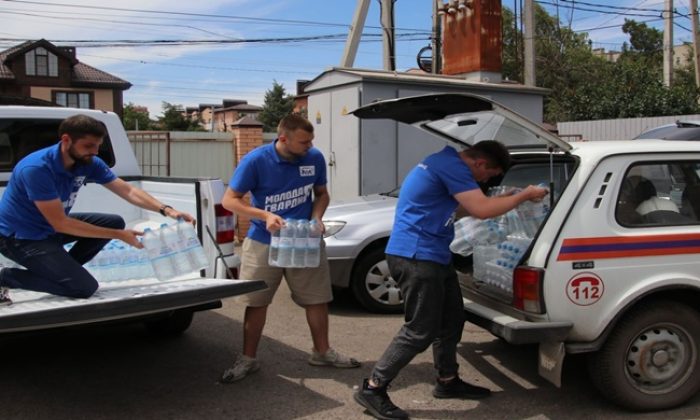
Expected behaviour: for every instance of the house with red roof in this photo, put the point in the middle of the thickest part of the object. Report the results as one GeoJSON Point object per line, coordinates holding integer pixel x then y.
{"type": "Point", "coordinates": [41, 73]}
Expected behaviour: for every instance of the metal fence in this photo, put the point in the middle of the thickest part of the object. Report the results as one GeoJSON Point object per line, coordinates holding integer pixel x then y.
{"type": "Point", "coordinates": [618, 129]}
{"type": "Point", "coordinates": [184, 154]}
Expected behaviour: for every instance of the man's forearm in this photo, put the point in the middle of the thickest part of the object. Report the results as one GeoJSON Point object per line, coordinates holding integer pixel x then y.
{"type": "Point", "coordinates": [320, 205]}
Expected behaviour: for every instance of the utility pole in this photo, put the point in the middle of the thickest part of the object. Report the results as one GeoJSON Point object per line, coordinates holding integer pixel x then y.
{"type": "Point", "coordinates": [696, 40]}
{"type": "Point", "coordinates": [668, 42]}
{"type": "Point", "coordinates": [387, 14]}
{"type": "Point", "coordinates": [437, 4]}
{"type": "Point", "coordinates": [529, 42]}
{"type": "Point", "coordinates": [355, 33]}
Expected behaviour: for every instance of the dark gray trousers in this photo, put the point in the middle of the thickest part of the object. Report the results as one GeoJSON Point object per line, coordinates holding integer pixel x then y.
{"type": "Point", "coordinates": [434, 314]}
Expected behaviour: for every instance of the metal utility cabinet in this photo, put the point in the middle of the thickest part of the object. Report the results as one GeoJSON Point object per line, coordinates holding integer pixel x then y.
{"type": "Point", "coordinates": [367, 157]}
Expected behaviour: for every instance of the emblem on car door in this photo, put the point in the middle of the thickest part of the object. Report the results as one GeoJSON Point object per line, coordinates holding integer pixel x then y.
{"type": "Point", "coordinates": [585, 289]}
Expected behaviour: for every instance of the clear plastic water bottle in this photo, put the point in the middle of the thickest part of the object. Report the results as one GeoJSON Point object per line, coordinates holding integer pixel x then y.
{"type": "Point", "coordinates": [273, 256]}
{"type": "Point", "coordinates": [177, 255]}
{"type": "Point", "coordinates": [159, 254]}
{"type": "Point", "coordinates": [284, 258]}
{"type": "Point", "coordinates": [301, 240]}
{"type": "Point", "coordinates": [131, 261]}
{"type": "Point", "coordinates": [193, 249]}
{"type": "Point", "coordinates": [145, 268]}
{"type": "Point", "coordinates": [313, 247]}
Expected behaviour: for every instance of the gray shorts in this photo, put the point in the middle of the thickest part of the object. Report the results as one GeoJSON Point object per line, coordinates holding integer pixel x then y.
{"type": "Point", "coordinates": [309, 285]}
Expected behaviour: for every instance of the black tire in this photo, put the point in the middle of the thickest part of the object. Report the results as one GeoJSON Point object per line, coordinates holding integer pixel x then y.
{"type": "Point", "coordinates": [372, 285]}
{"type": "Point", "coordinates": [650, 361]}
{"type": "Point", "coordinates": [171, 324]}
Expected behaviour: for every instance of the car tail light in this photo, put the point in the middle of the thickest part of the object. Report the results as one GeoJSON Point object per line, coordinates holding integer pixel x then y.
{"type": "Point", "coordinates": [527, 289]}
{"type": "Point", "coordinates": [224, 225]}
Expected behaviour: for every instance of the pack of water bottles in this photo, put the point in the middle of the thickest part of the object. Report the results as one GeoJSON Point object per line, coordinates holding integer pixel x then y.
{"type": "Point", "coordinates": [296, 245]}
{"type": "Point", "coordinates": [169, 251]}
{"type": "Point", "coordinates": [498, 244]}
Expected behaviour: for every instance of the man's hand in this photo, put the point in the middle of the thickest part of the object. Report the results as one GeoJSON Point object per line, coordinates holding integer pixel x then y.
{"type": "Point", "coordinates": [176, 214]}
{"type": "Point", "coordinates": [321, 225]}
{"type": "Point", "coordinates": [130, 237]}
{"type": "Point", "coordinates": [273, 222]}
{"type": "Point", "coordinates": [534, 193]}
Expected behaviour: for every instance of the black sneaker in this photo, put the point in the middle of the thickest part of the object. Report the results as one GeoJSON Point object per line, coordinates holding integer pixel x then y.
{"type": "Point", "coordinates": [5, 299]}
{"type": "Point", "coordinates": [377, 402]}
{"type": "Point", "coordinates": [457, 388]}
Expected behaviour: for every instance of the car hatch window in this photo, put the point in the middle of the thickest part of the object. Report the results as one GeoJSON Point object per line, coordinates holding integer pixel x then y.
{"type": "Point", "coordinates": [22, 136]}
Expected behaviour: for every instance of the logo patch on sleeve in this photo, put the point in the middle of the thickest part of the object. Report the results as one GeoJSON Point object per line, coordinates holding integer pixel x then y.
{"type": "Point", "coordinates": [307, 170]}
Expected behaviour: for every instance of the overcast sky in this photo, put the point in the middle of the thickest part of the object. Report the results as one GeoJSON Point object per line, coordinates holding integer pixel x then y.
{"type": "Point", "coordinates": [258, 49]}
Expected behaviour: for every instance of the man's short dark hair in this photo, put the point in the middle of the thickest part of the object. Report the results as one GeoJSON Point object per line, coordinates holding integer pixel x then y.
{"type": "Point", "coordinates": [293, 122]}
{"type": "Point", "coordinates": [79, 126]}
{"type": "Point", "coordinates": [493, 151]}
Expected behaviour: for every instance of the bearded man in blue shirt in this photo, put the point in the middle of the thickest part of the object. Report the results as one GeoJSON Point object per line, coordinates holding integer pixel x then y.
{"type": "Point", "coordinates": [419, 260]}
{"type": "Point", "coordinates": [35, 217]}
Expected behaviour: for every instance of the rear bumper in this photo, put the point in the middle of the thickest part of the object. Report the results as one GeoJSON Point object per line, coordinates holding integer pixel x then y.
{"type": "Point", "coordinates": [514, 330]}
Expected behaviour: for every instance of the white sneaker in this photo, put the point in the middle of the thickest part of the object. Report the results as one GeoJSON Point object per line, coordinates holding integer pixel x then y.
{"type": "Point", "coordinates": [242, 367]}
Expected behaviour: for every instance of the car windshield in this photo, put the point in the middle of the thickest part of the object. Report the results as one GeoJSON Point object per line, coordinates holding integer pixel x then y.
{"type": "Point", "coordinates": [672, 132]}
{"type": "Point", "coordinates": [393, 193]}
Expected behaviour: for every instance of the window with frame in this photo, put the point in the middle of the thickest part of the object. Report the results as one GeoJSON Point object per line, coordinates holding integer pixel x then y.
{"type": "Point", "coordinates": [41, 62]}
{"type": "Point", "coordinates": [22, 136]}
{"type": "Point", "coordinates": [660, 194]}
{"type": "Point", "coordinates": [73, 99]}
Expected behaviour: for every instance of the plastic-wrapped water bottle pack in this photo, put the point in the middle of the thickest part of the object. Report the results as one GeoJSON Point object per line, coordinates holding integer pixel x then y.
{"type": "Point", "coordinates": [169, 251]}
{"type": "Point", "coordinates": [296, 245]}
{"type": "Point", "coordinates": [498, 244]}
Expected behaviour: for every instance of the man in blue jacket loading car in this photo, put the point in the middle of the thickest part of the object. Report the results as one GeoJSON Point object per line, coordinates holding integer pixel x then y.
{"type": "Point", "coordinates": [419, 260]}
{"type": "Point", "coordinates": [35, 218]}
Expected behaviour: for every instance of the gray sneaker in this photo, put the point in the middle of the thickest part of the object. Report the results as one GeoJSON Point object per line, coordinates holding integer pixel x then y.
{"type": "Point", "coordinates": [5, 296]}
{"type": "Point", "coordinates": [334, 359]}
{"type": "Point", "coordinates": [242, 367]}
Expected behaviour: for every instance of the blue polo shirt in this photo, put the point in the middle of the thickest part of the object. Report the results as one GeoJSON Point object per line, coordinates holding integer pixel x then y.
{"type": "Point", "coordinates": [426, 209]}
{"type": "Point", "coordinates": [40, 176]}
{"type": "Point", "coordinates": [277, 185]}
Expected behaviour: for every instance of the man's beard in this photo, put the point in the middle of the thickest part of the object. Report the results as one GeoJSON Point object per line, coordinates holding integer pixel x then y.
{"type": "Point", "coordinates": [79, 160]}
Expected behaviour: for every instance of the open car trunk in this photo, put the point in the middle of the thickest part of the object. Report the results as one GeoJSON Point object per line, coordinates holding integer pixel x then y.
{"type": "Point", "coordinates": [119, 300]}
{"type": "Point", "coordinates": [552, 170]}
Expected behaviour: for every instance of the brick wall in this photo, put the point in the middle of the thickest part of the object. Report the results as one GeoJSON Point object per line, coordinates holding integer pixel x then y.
{"type": "Point", "coordinates": [248, 134]}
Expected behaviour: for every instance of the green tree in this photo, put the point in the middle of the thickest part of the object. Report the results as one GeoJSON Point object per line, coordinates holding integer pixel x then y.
{"type": "Point", "coordinates": [277, 105]}
{"type": "Point", "coordinates": [585, 86]}
{"type": "Point", "coordinates": [136, 118]}
{"type": "Point", "coordinates": [174, 119]}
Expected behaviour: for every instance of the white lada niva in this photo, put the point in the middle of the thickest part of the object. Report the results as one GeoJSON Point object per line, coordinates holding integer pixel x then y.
{"type": "Point", "coordinates": [613, 267]}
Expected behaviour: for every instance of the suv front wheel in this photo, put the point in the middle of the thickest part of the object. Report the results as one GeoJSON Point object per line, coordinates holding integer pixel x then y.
{"type": "Point", "coordinates": [373, 286]}
{"type": "Point", "coordinates": [650, 361]}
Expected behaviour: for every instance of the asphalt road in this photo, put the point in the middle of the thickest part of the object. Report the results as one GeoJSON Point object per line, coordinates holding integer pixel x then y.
{"type": "Point", "coordinates": [122, 372]}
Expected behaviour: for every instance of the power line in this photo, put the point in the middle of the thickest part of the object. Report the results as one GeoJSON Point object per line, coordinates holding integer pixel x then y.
{"type": "Point", "coordinates": [242, 18]}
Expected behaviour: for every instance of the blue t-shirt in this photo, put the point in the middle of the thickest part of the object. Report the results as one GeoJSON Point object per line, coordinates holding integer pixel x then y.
{"type": "Point", "coordinates": [425, 212]}
{"type": "Point", "coordinates": [41, 176]}
{"type": "Point", "coordinates": [277, 185]}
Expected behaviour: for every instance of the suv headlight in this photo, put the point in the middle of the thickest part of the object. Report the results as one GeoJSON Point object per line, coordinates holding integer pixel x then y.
{"type": "Point", "coordinates": [332, 227]}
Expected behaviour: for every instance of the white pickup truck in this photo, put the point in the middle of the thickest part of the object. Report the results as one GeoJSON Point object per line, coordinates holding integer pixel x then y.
{"type": "Point", "coordinates": [166, 307]}
{"type": "Point", "coordinates": [613, 269]}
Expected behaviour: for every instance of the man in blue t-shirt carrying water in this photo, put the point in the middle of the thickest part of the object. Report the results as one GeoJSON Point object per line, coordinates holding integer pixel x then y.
{"type": "Point", "coordinates": [35, 218]}
{"type": "Point", "coordinates": [286, 179]}
{"type": "Point", "coordinates": [419, 260]}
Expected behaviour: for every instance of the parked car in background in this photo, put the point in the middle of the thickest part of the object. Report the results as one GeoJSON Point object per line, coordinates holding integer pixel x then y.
{"type": "Point", "coordinates": [357, 231]}
{"type": "Point", "coordinates": [680, 130]}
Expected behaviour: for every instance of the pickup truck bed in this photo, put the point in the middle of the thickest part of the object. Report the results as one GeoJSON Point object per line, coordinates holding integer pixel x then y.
{"type": "Point", "coordinates": [118, 300]}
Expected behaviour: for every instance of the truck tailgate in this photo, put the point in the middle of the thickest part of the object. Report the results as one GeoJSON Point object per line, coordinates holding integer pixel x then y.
{"type": "Point", "coordinates": [116, 300]}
